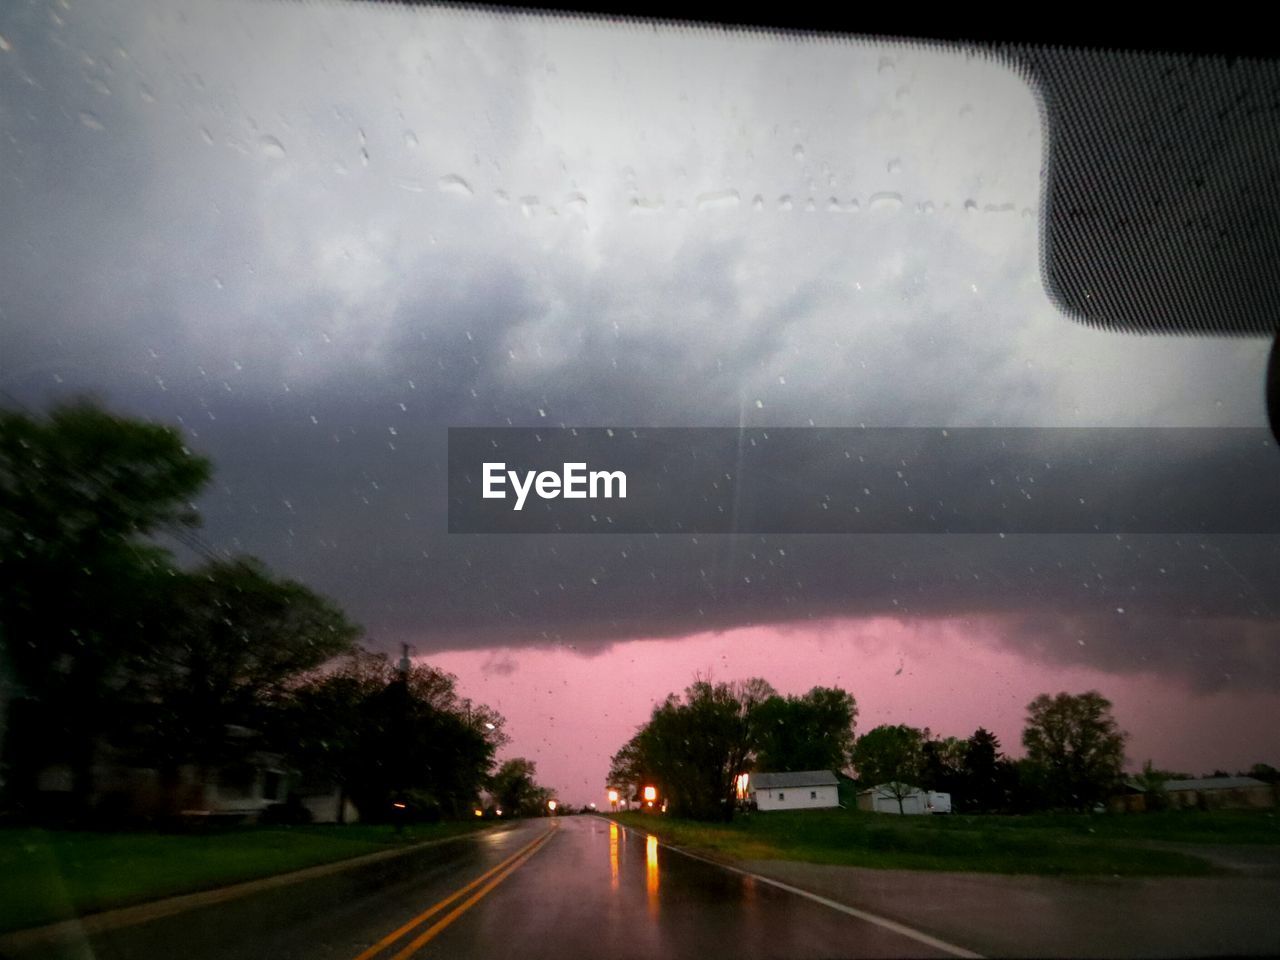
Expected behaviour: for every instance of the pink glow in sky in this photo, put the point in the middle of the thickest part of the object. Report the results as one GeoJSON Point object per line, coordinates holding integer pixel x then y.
{"type": "Point", "coordinates": [569, 711]}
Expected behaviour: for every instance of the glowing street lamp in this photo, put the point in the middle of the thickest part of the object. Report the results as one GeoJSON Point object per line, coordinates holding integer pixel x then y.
{"type": "Point", "coordinates": [651, 794]}
{"type": "Point", "coordinates": [479, 813]}
{"type": "Point", "coordinates": [551, 805]}
{"type": "Point", "coordinates": [613, 799]}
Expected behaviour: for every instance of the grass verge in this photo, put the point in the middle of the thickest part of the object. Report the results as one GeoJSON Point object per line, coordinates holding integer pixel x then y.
{"type": "Point", "coordinates": [51, 875]}
{"type": "Point", "coordinates": [1061, 845]}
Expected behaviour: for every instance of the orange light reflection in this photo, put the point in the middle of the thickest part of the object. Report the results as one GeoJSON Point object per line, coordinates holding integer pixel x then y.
{"type": "Point", "coordinates": [613, 856]}
{"type": "Point", "coordinates": [651, 873]}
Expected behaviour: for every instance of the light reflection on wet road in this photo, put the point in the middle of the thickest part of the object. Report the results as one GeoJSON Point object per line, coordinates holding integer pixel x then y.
{"type": "Point", "coordinates": [562, 889]}
{"type": "Point", "coordinates": [599, 890]}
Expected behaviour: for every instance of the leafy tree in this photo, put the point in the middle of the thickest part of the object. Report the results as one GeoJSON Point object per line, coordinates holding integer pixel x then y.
{"type": "Point", "coordinates": [693, 749]}
{"type": "Point", "coordinates": [1264, 772]}
{"type": "Point", "coordinates": [811, 732]}
{"type": "Point", "coordinates": [628, 769]}
{"type": "Point", "coordinates": [892, 757]}
{"type": "Point", "coordinates": [385, 736]}
{"type": "Point", "coordinates": [943, 767]}
{"type": "Point", "coordinates": [1077, 746]}
{"type": "Point", "coordinates": [516, 791]}
{"type": "Point", "coordinates": [236, 638]}
{"type": "Point", "coordinates": [81, 493]}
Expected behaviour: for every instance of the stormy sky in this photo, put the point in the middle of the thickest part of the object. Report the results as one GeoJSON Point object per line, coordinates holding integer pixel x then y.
{"type": "Point", "coordinates": [318, 235]}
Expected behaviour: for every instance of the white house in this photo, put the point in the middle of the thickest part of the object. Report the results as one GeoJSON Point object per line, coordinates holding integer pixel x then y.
{"type": "Point", "coordinates": [801, 790]}
{"type": "Point", "coordinates": [884, 799]}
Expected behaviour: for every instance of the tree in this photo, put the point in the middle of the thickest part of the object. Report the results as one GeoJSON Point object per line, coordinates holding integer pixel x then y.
{"type": "Point", "coordinates": [628, 770]}
{"type": "Point", "coordinates": [988, 776]}
{"type": "Point", "coordinates": [516, 791]}
{"type": "Point", "coordinates": [1264, 772]}
{"type": "Point", "coordinates": [693, 749]}
{"type": "Point", "coordinates": [237, 635]}
{"type": "Point", "coordinates": [811, 732]}
{"type": "Point", "coordinates": [385, 736]}
{"type": "Point", "coordinates": [943, 766]}
{"type": "Point", "coordinates": [1077, 746]}
{"type": "Point", "coordinates": [891, 757]}
{"type": "Point", "coordinates": [81, 491]}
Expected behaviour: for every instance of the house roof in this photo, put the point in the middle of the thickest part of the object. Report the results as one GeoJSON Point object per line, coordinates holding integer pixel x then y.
{"type": "Point", "coordinates": [798, 778]}
{"type": "Point", "coordinates": [1213, 783]}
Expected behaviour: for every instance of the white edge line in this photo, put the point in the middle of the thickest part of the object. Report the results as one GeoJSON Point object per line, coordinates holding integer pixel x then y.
{"type": "Point", "coordinates": [879, 921]}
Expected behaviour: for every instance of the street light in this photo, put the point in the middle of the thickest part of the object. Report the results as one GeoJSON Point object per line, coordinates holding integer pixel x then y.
{"type": "Point", "coordinates": [651, 794]}
{"type": "Point", "coordinates": [551, 805]}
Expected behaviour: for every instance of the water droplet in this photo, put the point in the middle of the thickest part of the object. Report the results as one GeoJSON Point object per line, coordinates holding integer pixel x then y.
{"type": "Point", "coordinates": [798, 151]}
{"type": "Point", "coordinates": [5, 45]}
{"type": "Point", "coordinates": [886, 65]}
{"type": "Point", "coordinates": [145, 93]}
{"type": "Point", "coordinates": [271, 148]}
{"type": "Point", "coordinates": [410, 139]}
{"type": "Point", "coordinates": [971, 205]}
{"type": "Point", "coordinates": [206, 135]}
{"type": "Point", "coordinates": [885, 200]}
{"type": "Point", "coordinates": [894, 165]}
{"type": "Point", "coordinates": [757, 202]}
{"type": "Point", "coordinates": [452, 183]}
{"type": "Point", "coordinates": [784, 202]}
{"type": "Point", "coordinates": [576, 202]}
{"type": "Point", "coordinates": [90, 120]}
{"type": "Point", "coordinates": [718, 199]}
{"type": "Point", "coordinates": [759, 404]}
{"type": "Point", "coordinates": [501, 197]}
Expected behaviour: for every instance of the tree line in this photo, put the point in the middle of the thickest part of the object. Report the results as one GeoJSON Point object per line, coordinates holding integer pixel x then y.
{"type": "Point", "coordinates": [112, 648]}
{"type": "Point", "coordinates": [695, 746]}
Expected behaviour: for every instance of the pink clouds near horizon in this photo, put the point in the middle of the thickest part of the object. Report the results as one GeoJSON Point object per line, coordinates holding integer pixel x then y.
{"type": "Point", "coordinates": [569, 710]}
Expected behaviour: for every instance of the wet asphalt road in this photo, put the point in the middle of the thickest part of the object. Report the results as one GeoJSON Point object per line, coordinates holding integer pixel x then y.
{"type": "Point", "coordinates": [556, 889]}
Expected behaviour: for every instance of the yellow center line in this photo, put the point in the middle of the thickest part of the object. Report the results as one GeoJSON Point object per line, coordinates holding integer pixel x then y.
{"type": "Point", "coordinates": [431, 911]}
{"type": "Point", "coordinates": [428, 935]}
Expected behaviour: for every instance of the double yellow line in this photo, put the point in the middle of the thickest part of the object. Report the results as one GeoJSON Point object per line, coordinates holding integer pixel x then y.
{"type": "Point", "coordinates": [486, 882]}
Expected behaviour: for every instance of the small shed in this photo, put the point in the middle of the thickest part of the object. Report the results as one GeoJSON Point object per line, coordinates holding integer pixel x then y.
{"type": "Point", "coordinates": [884, 798]}
{"type": "Point", "coordinates": [797, 790]}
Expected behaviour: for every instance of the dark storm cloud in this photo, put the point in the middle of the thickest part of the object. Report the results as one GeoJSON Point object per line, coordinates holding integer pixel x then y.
{"type": "Point", "coordinates": [278, 266]}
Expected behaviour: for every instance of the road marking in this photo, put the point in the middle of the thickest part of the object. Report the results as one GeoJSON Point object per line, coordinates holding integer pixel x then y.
{"type": "Point", "coordinates": [510, 864]}
{"type": "Point", "coordinates": [80, 929]}
{"type": "Point", "coordinates": [900, 928]}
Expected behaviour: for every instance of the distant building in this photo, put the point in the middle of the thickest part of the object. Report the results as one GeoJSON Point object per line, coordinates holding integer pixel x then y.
{"type": "Point", "coordinates": [1220, 793]}
{"type": "Point", "coordinates": [883, 798]}
{"type": "Point", "coordinates": [800, 790]}
{"type": "Point", "coordinates": [1204, 793]}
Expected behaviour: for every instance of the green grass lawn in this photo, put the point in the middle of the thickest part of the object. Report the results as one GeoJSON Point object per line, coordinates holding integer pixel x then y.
{"type": "Point", "coordinates": [1047, 844]}
{"type": "Point", "coordinates": [49, 875]}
